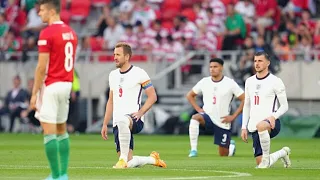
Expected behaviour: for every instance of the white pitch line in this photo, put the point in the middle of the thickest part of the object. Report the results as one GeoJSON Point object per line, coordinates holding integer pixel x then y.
{"type": "Point", "coordinates": [228, 173]}
{"type": "Point", "coordinates": [312, 168]}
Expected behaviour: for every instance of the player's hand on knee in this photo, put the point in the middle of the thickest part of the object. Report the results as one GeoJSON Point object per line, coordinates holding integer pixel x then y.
{"type": "Point", "coordinates": [272, 121]}
{"type": "Point", "coordinates": [200, 110]}
{"type": "Point", "coordinates": [137, 115]}
{"type": "Point", "coordinates": [104, 133]}
{"type": "Point", "coordinates": [244, 135]}
{"type": "Point", "coordinates": [228, 119]}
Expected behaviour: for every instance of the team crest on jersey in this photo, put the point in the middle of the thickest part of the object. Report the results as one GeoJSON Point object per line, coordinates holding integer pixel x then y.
{"type": "Point", "coordinates": [121, 80]}
{"type": "Point", "coordinates": [215, 88]}
{"type": "Point", "coordinates": [258, 86]}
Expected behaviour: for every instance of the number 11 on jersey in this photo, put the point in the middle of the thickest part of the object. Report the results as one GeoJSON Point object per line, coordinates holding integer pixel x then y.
{"type": "Point", "coordinates": [256, 100]}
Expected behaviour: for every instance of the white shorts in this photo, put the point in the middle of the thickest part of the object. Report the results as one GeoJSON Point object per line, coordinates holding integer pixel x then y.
{"type": "Point", "coordinates": [53, 103]}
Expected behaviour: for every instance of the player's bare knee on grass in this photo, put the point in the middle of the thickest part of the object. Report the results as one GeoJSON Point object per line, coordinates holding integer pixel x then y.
{"type": "Point", "coordinates": [223, 151]}
{"type": "Point", "coordinates": [199, 118]}
{"type": "Point", "coordinates": [262, 126]}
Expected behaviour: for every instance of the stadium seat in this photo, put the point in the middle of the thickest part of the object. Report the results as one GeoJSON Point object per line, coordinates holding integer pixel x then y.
{"type": "Point", "coordinates": [21, 19]}
{"type": "Point", "coordinates": [170, 9]}
{"type": "Point", "coordinates": [100, 3]}
{"type": "Point", "coordinates": [64, 4]}
{"type": "Point", "coordinates": [65, 16]}
{"type": "Point", "coordinates": [188, 3]}
{"type": "Point", "coordinates": [158, 14]}
{"type": "Point", "coordinates": [219, 42]}
{"type": "Point", "coordinates": [226, 2]}
{"type": "Point", "coordinates": [168, 25]}
{"type": "Point", "coordinates": [169, 14]}
{"type": "Point", "coordinates": [96, 43]}
{"type": "Point", "coordinates": [189, 13]}
{"type": "Point", "coordinates": [170, 4]}
{"type": "Point", "coordinates": [80, 9]}
{"type": "Point", "coordinates": [139, 58]}
{"type": "Point", "coordinates": [106, 58]}
{"type": "Point", "coordinates": [96, 46]}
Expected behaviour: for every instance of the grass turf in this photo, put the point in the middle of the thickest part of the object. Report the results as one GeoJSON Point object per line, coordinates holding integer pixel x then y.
{"type": "Point", "coordinates": [22, 157]}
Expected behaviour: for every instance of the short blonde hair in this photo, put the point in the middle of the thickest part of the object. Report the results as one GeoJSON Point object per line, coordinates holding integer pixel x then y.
{"type": "Point", "coordinates": [126, 48]}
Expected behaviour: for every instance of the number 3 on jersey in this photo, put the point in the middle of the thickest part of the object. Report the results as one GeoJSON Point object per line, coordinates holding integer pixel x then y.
{"type": "Point", "coordinates": [214, 100]}
{"type": "Point", "coordinates": [256, 100]}
{"type": "Point", "coordinates": [68, 53]}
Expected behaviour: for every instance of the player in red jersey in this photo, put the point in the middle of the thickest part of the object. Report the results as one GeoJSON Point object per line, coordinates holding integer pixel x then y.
{"type": "Point", "coordinates": [52, 87]}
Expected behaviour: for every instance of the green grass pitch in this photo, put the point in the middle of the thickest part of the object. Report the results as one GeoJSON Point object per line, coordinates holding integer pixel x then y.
{"type": "Point", "coordinates": [22, 157]}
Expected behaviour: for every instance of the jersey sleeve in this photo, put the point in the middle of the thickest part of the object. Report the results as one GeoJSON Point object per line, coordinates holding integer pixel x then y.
{"type": "Point", "coordinates": [280, 91]}
{"type": "Point", "coordinates": [145, 80]}
{"type": "Point", "coordinates": [111, 85]}
{"type": "Point", "coordinates": [44, 42]}
{"type": "Point", "coordinates": [236, 89]}
{"type": "Point", "coordinates": [197, 89]}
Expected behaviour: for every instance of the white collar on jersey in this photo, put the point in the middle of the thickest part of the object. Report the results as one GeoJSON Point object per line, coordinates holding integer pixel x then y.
{"type": "Point", "coordinates": [58, 22]}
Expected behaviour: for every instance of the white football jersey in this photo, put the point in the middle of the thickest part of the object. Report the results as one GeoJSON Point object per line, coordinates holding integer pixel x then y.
{"type": "Point", "coordinates": [264, 97]}
{"type": "Point", "coordinates": [127, 88]}
{"type": "Point", "coordinates": [217, 96]}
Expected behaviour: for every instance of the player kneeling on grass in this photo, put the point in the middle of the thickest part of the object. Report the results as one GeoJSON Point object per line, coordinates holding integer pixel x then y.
{"type": "Point", "coordinates": [265, 102]}
{"type": "Point", "coordinates": [218, 92]}
{"type": "Point", "coordinates": [126, 84]}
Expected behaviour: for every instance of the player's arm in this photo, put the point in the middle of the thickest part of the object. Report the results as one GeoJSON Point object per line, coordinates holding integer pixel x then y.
{"type": "Point", "coordinates": [238, 92]}
{"type": "Point", "coordinates": [246, 107]}
{"type": "Point", "coordinates": [109, 110]}
{"type": "Point", "coordinates": [191, 96]}
{"type": "Point", "coordinates": [44, 46]}
{"type": "Point", "coordinates": [280, 92]}
{"type": "Point", "coordinates": [151, 96]}
{"type": "Point", "coordinates": [245, 113]}
{"type": "Point", "coordinates": [240, 108]}
{"type": "Point", "coordinates": [40, 72]}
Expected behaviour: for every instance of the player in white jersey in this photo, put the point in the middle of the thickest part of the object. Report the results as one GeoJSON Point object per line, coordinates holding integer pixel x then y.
{"type": "Point", "coordinates": [265, 102]}
{"type": "Point", "coordinates": [126, 84]}
{"type": "Point", "coordinates": [218, 92]}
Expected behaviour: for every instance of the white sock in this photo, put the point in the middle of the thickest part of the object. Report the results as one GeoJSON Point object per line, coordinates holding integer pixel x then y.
{"type": "Point", "coordinates": [137, 161]}
{"type": "Point", "coordinates": [194, 133]}
{"type": "Point", "coordinates": [124, 138]}
{"type": "Point", "coordinates": [276, 155]}
{"type": "Point", "coordinates": [265, 143]}
{"type": "Point", "coordinates": [232, 147]}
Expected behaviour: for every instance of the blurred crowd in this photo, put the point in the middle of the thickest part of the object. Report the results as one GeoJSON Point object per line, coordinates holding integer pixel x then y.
{"type": "Point", "coordinates": [15, 108]}
{"type": "Point", "coordinates": [167, 26]}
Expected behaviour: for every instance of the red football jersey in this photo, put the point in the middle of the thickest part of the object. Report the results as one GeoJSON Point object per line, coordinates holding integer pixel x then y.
{"type": "Point", "coordinates": [60, 41]}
